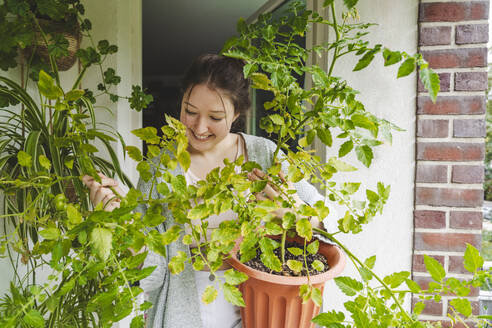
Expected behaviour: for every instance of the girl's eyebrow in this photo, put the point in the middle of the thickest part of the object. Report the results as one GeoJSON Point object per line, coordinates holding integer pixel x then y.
{"type": "Point", "coordinates": [214, 111]}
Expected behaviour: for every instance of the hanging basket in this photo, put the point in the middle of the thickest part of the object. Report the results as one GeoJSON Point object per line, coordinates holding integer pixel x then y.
{"type": "Point", "coordinates": [72, 34]}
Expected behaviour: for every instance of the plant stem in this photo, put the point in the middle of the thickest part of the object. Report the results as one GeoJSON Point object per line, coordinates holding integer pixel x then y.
{"type": "Point", "coordinates": [352, 256]}
{"type": "Point", "coordinates": [282, 245]}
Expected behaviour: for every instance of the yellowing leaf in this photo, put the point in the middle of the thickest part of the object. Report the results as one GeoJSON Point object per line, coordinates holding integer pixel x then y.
{"type": "Point", "coordinates": [101, 240]}
{"type": "Point", "coordinates": [209, 295]}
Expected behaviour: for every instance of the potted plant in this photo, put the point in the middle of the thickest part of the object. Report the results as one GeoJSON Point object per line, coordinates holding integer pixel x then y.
{"type": "Point", "coordinates": [45, 146]}
{"type": "Point", "coordinates": [273, 62]}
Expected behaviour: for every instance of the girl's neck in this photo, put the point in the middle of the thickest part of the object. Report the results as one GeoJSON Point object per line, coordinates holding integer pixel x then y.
{"type": "Point", "coordinates": [221, 151]}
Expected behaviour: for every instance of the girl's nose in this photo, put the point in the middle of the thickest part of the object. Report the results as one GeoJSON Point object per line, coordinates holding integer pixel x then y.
{"type": "Point", "coordinates": [201, 125]}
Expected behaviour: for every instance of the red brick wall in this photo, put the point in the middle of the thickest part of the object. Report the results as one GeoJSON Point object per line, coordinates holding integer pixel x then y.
{"type": "Point", "coordinates": [453, 36]}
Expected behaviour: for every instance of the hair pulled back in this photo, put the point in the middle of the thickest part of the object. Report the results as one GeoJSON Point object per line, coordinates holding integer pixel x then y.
{"type": "Point", "coordinates": [222, 73]}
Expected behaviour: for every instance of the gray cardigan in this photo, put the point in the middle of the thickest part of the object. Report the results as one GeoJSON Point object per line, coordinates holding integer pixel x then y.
{"type": "Point", "coordinates": [175, 297]}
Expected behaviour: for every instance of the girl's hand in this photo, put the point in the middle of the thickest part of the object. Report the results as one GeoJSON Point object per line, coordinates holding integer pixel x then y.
{"type": "Point", "coordinates": [271, 192]}
{"type": "Point", "coordinates": [100, 192]}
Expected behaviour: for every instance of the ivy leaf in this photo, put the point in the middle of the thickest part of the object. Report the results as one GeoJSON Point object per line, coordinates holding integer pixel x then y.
{"type": "Point", "coordinates": [184, 160]}
{"type": "Point", "coordinates": [233, 295]}
{"type": "Point", "coordinates": [101, 240]}
{"type": "Point", "coordinates": [364, 154]}
{"type": "Point", "coordinates": [434, 268]}
{"type": "Point", "coordinates": [431, 82]}
{"type": "Point", "coordinates": [209, 295]}
{"type": "Point", "coordinates": [345, 148]}
{"type": "Point", "coordinates": [138, 321]}
{"type": "Point", "coordinates": [407, 67]}
{"type": "Point", "coordinates": [198, 212]}
{"type": "Point", "coordinates": [73, 215]}
{"type": "Point", "coordinates": [34, 318]}
{"type": "Point", "coordinates": [348, 286]}
{"type": "Point", "coordinates": [472, 259]}
{"type": "Point", "coordinates": [313, 247]}
{"type": "Point", "coordinates": [234, 277]}
{"type": "Point", "coordinates": [294, 265]}
{"type": "Point", "coordinates": [288, 220]}
{"type": "Point", "coordinates": [304, 229]}
{"type": "Point", "coordinates": [273, 229]}
{"type": "Point", "coordinates": [24, 159]}
{"type": "Point", "coordinates": [462, 305]}
{"type": "Point", "coordinates": [171, 235]}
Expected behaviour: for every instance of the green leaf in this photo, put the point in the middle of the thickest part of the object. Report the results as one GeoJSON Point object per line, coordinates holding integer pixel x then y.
{"type": "Point", "coordinates": [171, 235]}
{"type": "Point", "coordinates": [74, 95]}
{"type": "Point", "coordinates": [396, 279]}
{"type": "Point", "coordinates": [313, 247]}
{"type": "Point", "coordinates": [271, 261]}
{"type": "Point", "coordinates": [472, 260]}
{"type": "Point", "coordinates": [45, 162]}
{"type": "Point", "coordinates": [418, 308]}
{"type": "Point", "coordinates": [234, 277]}
{"type": "Point", "coordinates": [341, 165]}
{"type": "Point", "coordinates": [364, 154]}
{"type": "Point", "coordinates": [73, 215]}
{"type": "Point", "coordinates": [413, 286]}
{"type": "Point", "coordinates": [176, 265]}
{"type": "Point", "coordinates": [330, 319]}
{"type": "Point", "coordinates": [316, 296]}
{"type": "Point", "coordinates": [364, 61]}
{"type": "Point", "coordinates": [434, 268]}
{"type": "Point", "coordinates": [431, 82]}
{"type": "Point", "coordinates": [148, 134]}
{"type": "Point", "coordinates": [101, 240]}
{"type": "Point", "coordinates": [143, 169]}
{"type": "Point", "coordinates": [24, 159]}
{"type": "Point", "coordinates": [345, 148]}
{"type": "Point", "coordinates": [364, 122]}
{"type": "Point", "coordinates": [391, 57]}
{"type": "Point", "coordinates": [318, 265]}
{"type": "Point", "coordinates": [361, 319]}
{"type": "Point", "coordinates": [294, 265]}
{"type": "Point", "coordinates": [233, 295]}
{"type": "Point", "coordinates": [372, 196]}
{"type": "Point", "coordinates": [304, 229]}
{"type": "Point", "coordinates": [305, 292]}
{"type": "Point", "coordinates": [407, 67]}
{"type": "Point", "coordinates": [50, 233]}
{"type": "Point", "coordinates": [134, 153]}
{"type": "Point", "coordinates": [184, 160]}
{"type": "Point", "coordinates": [295, 251]}
{"type": "Point", "coordinates": [325, 136]}
{"type": "Point", "coordinates": [462, 305]}
{"type": "Point", "coordinates": [138, 321]}
{"type": "Point", "coordinates": [348, 286]}
{"type": "Point", "coordinates": [350, 3]}
{"type": "Point", "coordinates": [276, 119]}
{"type": "Point", "coordinates": [199, 212]}
{"type": "Point", "coordinates": [209, 295]}
{"type": "Point", "coordinates": [369, 262]}
{"type": "Point", "coordinates": [47, 86]}
{"type": "Point", "coordinates": [273, 229]}
{"type": "Point", "coordinates": [34, 318]}
{"type": "Point", "coordinates": [153, 216]}
{"type": "Point", "coordinates": [288, 220]}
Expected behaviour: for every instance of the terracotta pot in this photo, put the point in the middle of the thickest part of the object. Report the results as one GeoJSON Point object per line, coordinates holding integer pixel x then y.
{"type": "Point", "coordinates": [273, 301]}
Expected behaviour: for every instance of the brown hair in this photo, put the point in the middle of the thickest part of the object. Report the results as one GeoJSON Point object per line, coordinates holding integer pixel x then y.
{"type": "Point", "coordinates": [223, 73]}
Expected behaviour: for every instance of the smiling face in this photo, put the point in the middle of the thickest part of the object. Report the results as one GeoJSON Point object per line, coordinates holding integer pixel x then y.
{"type": "Point", "coordinates": [208, 115]}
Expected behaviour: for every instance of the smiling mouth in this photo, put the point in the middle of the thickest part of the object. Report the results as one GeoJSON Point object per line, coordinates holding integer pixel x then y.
{"type": "Point", "coordinates": [201, 137]}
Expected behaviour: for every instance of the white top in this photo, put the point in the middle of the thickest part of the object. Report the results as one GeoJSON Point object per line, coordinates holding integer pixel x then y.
{"type": "Point", "coordinates": [214, 220]}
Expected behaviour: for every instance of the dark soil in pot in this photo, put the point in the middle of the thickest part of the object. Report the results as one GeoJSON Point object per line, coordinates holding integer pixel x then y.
{"type": "Point", "coordinates": [256, 263]}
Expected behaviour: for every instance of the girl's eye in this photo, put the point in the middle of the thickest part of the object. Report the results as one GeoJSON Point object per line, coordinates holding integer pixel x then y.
{"type": "Point", "coordinates": [216, 119]}
{"type": "Point", "coordinates": [187, 111]}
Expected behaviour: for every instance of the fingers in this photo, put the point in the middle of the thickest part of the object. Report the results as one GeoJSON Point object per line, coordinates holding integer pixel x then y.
{"type": "Point", "coordinates": [269, 192]}
{"type": "Point", "coordinates": [100, 191]}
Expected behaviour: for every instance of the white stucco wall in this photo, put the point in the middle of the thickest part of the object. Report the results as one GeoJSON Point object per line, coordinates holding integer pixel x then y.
{"type": "Point", "coordinates": [389, 236]}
